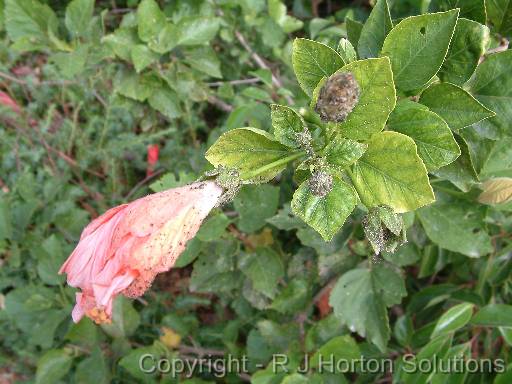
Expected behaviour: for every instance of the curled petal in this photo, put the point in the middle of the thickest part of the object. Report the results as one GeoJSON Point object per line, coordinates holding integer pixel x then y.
{"type": "Point", "coordinates": [123, 250]}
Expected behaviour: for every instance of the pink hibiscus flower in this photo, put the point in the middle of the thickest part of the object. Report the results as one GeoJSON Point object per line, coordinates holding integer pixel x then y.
{"type": "Point", "coordinates": [123, 250]}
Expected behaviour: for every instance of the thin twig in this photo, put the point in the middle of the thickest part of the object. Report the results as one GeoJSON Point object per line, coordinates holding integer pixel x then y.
{"type": "Point", "coordinates": [240, 236]}
{"type": "Point", "coordinates": [504, 43]}
{"type": "Point", "coordinates": [142, 182]}
{"type": "Point", "coordinates": [262, 64]}
{"type": "Point", "coordinates": [12, 78]}
{"type": "Point", "coordinates": [235, 82]}
{"type": "Point", "coordinates": [38, 83]}
{"type": "Point", "coordinates": [220, 104]}
{"type": "Point", "coordinates": [100, 99]}
{"type": "Point", "coordinates": [14, 124]}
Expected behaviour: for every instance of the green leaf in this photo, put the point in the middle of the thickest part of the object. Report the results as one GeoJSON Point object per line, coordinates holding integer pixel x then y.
{"type": "Point", "coordinates": [32, 310]}
{"type": "Point", "coordinates": [313, 61]}
{"type": "Point", "coordinates": [197, 30]}
{"type": "Point", "coordinates": [256, 204]}
{"type": "Point", "coordinates": [407, 254]}
{"type": "Point", "coordinates": [391, 173]}
{"type": "Point", "coordinates": [122, 41]}
{"type": "Point", "coordinates": [453, 319]}
{"type": "Point", "coordinates": [213, 228]}
{"type": "Point", "coordinates": [457, 352]}
{"type": "Point", "coordinates": [417, 47]}
{"type": "Point", "coordinates": [496, 191]}
{"type": "Point", "coordinates": [72, 63]}
{"type": "Point", "coordinates": [83, 333]}
{"type": "Point", "coordinates": [169, 180]}
{"type": "Point", "coordinates": [253, 152]}
{"type": "Point", "coordinates": [190, 253]}
{"type": "Point", "coordinates": [150, 20]}
{"type": "Point", "coordinates": [287, 125]}
{"type": "Point", "coordinates": [125, 319]}
{"type": "Point", "coordinates": [93, 370]}
{"type": "Point", "coordinates": [470, 9]}
{"type": "Point", "coordinates": [277, 11]}
{"type": "Point", "coordinates": [346, 50]}
{"type": "Point", "coordinates": [468, 44]}
{"type": "Point", "coordinates": [436, 145]}
{"type": "Point", "coordinates": [5, 219]}
{"type": "Point", "coordinates": [435, 350]}
{"type": "Point", "coordinates": [340, 347]}
{"type": "Point", "coordinates": [494, 315]}
{"type": "Point", "coordinates": [78, 16]}
{"type": "Point", "coordinates": [2, 18]}
{"type": "Point", "coordinates": [341, 152]}
{"type": "Point", "coordinates": [137, 87]}
{"type": "Point", "coordinates": [214, 270]}
{"type": "Point", "coordinates": [142, 57]}
{"type": "Point", "coordinates": [293, 298]}
{"type": "Point", "coordinates": [455, 105]}
{"type": "Point", "coordinates": [52, 366]}
{"type": "Point", "coordinates": [354, 29]}
{"type": "Point", "coordinates": [295, 378]}
{"type": "Point", "coordinates": [30, 21]}
{"type": "Point", "coordinates": [165, 101]}
{"type": "Point", "coordinates": [326, 214]}
{"type": "Point", "coordinates": [461, 172]}
{"type": "Point", "coordinates": [360, 298]}
{"type": "Point", "coordinates": [285, 219]}
{"type": "Point", "coordinates": [500, 15]}
{"type": "Point", "coordinates": [265, 268]}
{"type": "Point", "coordinates": [166, 39]}
{"type": "Point", "coordinates": [205, 60]}
{"type": "Point", "coordinates": [49, 259]}
{"type": "Point", "coordinates": [133, 361]}
{"type": "Point", "coordinates": [492, 86]}
{"type": "Point", "coordinates": [456, 227]}
{"type": "Point", "coordinates": [403, 330]}
{"type": "Point", "coordinates": [377, 98]}
{"type": "Point", "coordinates": [374, 30]}
{"type": "Point", "coordinates": [498, 162]}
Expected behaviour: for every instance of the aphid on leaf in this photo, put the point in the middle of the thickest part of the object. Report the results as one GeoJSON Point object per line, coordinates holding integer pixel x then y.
{"type": "Point", "coordinates": [338, 97]}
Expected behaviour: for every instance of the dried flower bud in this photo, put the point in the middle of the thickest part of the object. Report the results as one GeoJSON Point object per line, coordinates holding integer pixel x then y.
{"type": "Point", "coordinates": [384, 229]}
{"type": "Point", "coordinates": [320, 183]}
{"type": "Point", "coordinates": [338, 97]}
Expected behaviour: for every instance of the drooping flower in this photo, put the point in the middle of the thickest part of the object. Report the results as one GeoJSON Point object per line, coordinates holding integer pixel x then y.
{"type": "Point", "coordinates": [123, 250]}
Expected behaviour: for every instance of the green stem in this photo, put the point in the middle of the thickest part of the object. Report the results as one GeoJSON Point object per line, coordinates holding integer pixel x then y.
{"type": "Point", "coordinates": [252, 174]}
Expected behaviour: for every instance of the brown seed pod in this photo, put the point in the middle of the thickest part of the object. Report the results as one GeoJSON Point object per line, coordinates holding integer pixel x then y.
{"type": "Point", "coordinates": [338, 97]}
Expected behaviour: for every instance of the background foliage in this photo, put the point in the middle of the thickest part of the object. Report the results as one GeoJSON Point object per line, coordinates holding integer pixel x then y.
{"type": "Point", "coordinates": [89, 90]}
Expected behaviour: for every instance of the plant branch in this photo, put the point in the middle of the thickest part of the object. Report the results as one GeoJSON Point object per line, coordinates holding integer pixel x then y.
{"type": "Point", "coordinates": [253, 80]}
{"type": "Point", "coordinates": [276, 81]}
{"type": "Point", "coordinates": [220, 104]}
{"type": "Point", "coordinates": [143, 181]}
{"type": "Point", "coordinates": [17, 80]}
